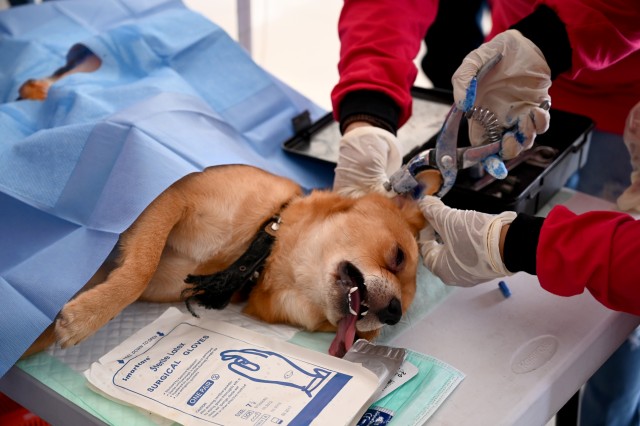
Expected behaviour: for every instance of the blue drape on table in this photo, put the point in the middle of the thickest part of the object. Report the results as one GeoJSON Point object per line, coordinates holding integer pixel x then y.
{"type": "Point", "coordinates": [174, 94]}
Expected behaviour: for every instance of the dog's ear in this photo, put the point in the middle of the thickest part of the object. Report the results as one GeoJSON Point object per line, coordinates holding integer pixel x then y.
{"type": "Point", "coordinates": [431, 181]}
{"type": "Point", "coordinates": [410, 212]}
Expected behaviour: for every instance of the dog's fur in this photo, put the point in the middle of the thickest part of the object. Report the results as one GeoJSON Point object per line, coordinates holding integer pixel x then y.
{"type": "Point", "coordinates": [205, 221]}
{"type": "Point", "coordinates": [327, 244]}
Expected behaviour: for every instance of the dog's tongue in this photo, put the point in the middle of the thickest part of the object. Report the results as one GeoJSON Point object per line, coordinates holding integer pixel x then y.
{"type": "Point", "coordinates": [346, 333]}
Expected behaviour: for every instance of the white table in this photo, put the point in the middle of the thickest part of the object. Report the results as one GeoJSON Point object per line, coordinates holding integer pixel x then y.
{"type": "Point", "coordinates": [525, 356]}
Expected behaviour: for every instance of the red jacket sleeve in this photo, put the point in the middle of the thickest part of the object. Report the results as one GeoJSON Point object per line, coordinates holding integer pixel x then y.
{"type": "Point", "coordinates": [598, 251]}
{"type": "Point", "coordinates": [378, 42]}
{"type": "Point", "coordinates": [605, 39]}
{"type": "Point", "coordinates": [602, 32]}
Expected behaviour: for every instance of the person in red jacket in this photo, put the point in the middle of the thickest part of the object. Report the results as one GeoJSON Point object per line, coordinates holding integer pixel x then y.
{"type": "Point", "coordinates": [596, 251]}
{"type": "Point", "coordinates": [590, 49]}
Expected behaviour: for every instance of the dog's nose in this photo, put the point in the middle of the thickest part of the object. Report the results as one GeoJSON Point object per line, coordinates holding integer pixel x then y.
{"type": "Point", "coordinates": [392, 313]}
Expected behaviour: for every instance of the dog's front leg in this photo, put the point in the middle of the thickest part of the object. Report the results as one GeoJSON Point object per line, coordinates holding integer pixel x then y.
{"type": "Point", "coordinates": [90, 310]}
{"type": "Point", "coordinates": [141, 247]}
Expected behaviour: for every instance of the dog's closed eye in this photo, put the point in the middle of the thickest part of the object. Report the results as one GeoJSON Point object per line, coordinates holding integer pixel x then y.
{"type": "Point", "coordinates": [396, 262]}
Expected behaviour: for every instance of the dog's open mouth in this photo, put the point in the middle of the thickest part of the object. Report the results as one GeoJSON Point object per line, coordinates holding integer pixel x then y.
{"type": "Point", "coordinates": [351, 279]}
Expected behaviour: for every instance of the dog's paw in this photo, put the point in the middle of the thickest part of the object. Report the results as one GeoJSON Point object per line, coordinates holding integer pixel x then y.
{"type": "Point", "coordinates": [35, 89]}
{"type": "Point", "coordinates": [76, 322]}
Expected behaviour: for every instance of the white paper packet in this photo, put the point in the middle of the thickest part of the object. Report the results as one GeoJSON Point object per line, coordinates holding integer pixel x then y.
{"type": "Point", "coordinates": [198, 371]}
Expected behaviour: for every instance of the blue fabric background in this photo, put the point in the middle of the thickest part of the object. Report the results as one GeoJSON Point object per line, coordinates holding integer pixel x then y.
{"type": "Point", "coordinates": [174, 94]}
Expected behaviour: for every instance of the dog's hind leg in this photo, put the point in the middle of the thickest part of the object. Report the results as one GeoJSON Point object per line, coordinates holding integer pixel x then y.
{"type": "Point", "coordinates": [82, 61]}
{"type": "Point", "coordinates": [141, 247]}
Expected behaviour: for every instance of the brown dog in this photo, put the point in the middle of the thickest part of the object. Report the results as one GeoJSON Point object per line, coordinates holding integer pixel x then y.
{"type": "Point", "coordinates": [326, 263]}
{"type": "Point", "coordinates": [336, 263]}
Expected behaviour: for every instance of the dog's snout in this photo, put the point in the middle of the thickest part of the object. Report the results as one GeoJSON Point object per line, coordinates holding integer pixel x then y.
{"type": "Point", "coordinates": [392, 313]}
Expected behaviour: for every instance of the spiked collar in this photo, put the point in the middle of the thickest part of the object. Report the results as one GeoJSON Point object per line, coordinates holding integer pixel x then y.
{"type": "Point", "coordinates": [214, 291]}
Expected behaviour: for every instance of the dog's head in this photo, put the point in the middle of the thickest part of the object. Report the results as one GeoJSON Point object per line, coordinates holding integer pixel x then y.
{"type": "Point", "coordinates": [341, 264]}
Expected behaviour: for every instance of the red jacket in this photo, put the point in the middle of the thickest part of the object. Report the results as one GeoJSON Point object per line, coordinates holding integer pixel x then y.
{"type": "Point", "coordinates": [380, 39]}
{"type": "Point", "coordinates": [604, 80]}
{"type": "Point", "coordinates": [598, 251]}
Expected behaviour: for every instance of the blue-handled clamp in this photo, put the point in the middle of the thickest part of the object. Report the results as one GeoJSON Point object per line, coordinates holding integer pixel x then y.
{"type": "Point", "coordinates": [446, 157]}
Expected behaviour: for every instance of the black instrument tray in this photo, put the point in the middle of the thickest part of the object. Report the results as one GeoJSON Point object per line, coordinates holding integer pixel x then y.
{"type": "Point", "coordinates": [534, 177]}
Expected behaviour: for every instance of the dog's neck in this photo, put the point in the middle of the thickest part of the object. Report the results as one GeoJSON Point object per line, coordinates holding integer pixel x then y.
{"type": "Point", "coordinates": [214, 291]}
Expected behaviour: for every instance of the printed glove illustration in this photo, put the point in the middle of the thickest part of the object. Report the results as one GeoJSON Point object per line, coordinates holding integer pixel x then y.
{"type": "Point", "coordinates": [368, 156]}
{"type": "Point", "coordinates": [270, 367]}
{"type": "Point", "coordinates": [515, 88]}
{"type": "Point", "coordinates": [470, 250]}
{"type": "Point", "coordinates": [630, 198]}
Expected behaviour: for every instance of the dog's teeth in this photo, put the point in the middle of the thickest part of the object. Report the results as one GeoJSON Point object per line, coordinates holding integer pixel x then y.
{"type": "Point", "coordinates": [365, 312]}
{"type": "Point", "coordinates": [365, 304]}
{"type": "Point", "coordinates": [352, 311]}
{"type": "Point", "coordinates": [353, 290]}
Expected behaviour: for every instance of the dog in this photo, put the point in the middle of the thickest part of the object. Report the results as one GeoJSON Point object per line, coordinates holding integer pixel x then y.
{"type": "Point", "coordinates": [322, 261]}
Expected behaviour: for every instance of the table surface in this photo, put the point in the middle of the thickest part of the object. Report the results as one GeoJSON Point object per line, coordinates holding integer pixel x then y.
{"type": "Point", "coordinates": [523, 356]}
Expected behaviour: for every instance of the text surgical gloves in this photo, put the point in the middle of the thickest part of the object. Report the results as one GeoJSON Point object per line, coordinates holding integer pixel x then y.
{"type": "Point", "coordinates": [368, 156]}
{"type": "Point", "coordinates": [469, 250]}
{"type": "Point", "coordinates": [515, 88]}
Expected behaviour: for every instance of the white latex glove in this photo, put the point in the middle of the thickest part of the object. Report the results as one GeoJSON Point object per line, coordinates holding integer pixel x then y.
{"type": "Point", "coordinates": [513, 90]}
{"type": "Point", "coordinates": [630, 198]}
{"type": "Point", "coordinates": [470, 249]}
{"type": "Point", "coordinates": [368, 156]}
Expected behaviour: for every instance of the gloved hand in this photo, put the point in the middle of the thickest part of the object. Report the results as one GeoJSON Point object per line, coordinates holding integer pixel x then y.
{"type": "Point", "coordinates": [470, 249]}
{"type": "Point", "coordinates": [513, 89]}
{"type": "Point", "coordinates": [630, 198]}
{"type": "Point", "coordinates": [368, 156]}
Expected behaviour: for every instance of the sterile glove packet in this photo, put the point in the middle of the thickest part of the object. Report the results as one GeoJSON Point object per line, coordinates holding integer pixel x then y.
{"type": "Point", "coordinates": [383, 361]}
{"type": "Point", "coordinates": [201, 371]}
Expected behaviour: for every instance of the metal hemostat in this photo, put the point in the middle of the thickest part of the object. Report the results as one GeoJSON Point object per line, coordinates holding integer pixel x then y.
{"type": "Point", "coordinates": [446, 157]}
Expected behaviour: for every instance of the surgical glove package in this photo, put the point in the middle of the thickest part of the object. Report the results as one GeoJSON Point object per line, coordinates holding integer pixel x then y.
{"type": "Point", "coordinates": [202, 372]}
{"type": "Point", "coordinates": [174, 94]}
{"type": "Point", "coordinates": [207, 371]}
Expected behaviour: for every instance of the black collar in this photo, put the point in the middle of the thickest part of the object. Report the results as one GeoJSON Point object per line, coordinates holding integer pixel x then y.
{"type": "Point", "coordinates": [214, 291]}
